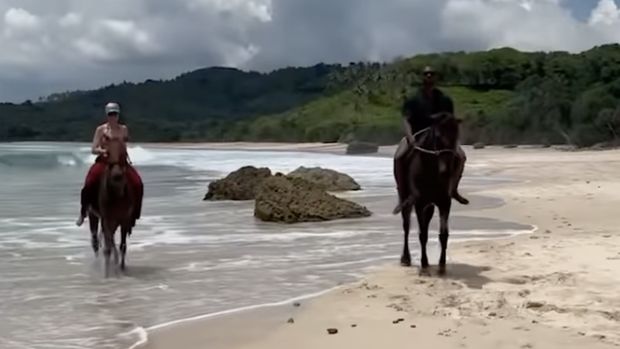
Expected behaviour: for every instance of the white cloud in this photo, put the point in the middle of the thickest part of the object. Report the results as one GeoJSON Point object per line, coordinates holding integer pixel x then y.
{"type": "Point", "coordinates": [606, 12]}
{"type": "Point", "coordinates": [93, 50]}
{"type": "Point", "coordinates": [71, 19]}
{"type": "Point", "coordinates": [19, 23]}
{"type": "Point", "coordinates": [69, 44]}
{"type": "Point", "coordinates": [17, 18]}
{"type": "Point", "coordinates": [259, 9]}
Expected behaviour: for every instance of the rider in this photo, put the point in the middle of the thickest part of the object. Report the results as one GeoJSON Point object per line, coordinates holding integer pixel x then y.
{"type": "Point", "coordinates": [416, 112]}
{"type": "Point", "coordinates": [112, 129]}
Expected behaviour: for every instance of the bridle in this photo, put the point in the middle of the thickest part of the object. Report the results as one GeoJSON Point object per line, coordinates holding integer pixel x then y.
{"type": "Point", "coordinates": [435, 152]}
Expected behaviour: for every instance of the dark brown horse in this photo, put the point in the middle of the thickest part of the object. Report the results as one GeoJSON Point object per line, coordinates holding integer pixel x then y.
{"type": "Point", "coordinates": [115, 205]}
{"type": "Point", "coordinates": [432, 162]}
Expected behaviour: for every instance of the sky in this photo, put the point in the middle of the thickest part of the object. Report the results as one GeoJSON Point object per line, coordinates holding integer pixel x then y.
{"type": "Point", "coordinates": [64, 45]}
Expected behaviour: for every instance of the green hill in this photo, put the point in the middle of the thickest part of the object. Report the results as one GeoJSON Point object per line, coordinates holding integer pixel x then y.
{"type": "Point", "coordinates": [503, 95]}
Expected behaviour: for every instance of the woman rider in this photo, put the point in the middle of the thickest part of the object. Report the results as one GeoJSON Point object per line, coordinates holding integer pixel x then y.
{"type": "Point", "coordinates": [111, 129]}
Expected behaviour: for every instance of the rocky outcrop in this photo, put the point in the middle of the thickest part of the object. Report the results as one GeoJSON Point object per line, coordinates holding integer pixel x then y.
{"type": "Point", "coordinates": [238, 185]}
{"type": "Point", "coordinates": [326, 179]}
{"type": "Point", "coordinates": [292, 200]}
{"type": "Point", "coordinates": [362, 148]}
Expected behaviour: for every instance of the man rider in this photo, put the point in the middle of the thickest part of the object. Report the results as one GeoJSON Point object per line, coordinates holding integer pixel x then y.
{"type": "Point", "coordinates": [416, 113]}
{"type": "Point", "coordinates": [111, 129]}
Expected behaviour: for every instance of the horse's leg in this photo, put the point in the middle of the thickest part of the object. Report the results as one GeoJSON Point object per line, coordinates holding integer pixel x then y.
{"type": "Point", "coordinates": [93, 221]}
{"type": "Point", "coordinates": [444, 213]}
{"type": "Point", "coordinates": [425, 214]}
{"type": "Point", "coordinates": [124, 233]}
{"type": "Point", "coordinates": [114, 249]}
{"type": "Point", "coordinates": [108, 238]}
{"type": "Point", "coordinates": [405, 258]}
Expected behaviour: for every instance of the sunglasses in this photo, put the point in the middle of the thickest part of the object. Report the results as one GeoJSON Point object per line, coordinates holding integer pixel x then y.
{"type": "Point", "coordinates": [113, 114]}
{"type": "Point", "coordinates": [429, 74]}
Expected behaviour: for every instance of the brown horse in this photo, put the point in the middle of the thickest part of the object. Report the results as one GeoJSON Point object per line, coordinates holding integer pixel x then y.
{"type": "Point", "coordinates": [431, 164]}
{"type": "Point", "coordinates": [115, 205]}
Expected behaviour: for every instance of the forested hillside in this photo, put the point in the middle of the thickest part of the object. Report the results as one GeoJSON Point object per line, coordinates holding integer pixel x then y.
{"type": "Point", "coordinates": [504, 96]}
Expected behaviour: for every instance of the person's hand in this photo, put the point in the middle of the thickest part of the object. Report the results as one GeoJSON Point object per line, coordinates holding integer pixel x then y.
{"type": "Point", "coordinates": [410, 139]}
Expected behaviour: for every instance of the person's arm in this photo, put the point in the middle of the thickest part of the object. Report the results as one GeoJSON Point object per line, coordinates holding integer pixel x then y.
{"type": "Point", "coordinates": [96, 148]}
{"type": "Point", "coordinates": [449, 105]}
{"type": "Point", "coordinates": [125, 134]}
{"type": "Point", "coordinates": [407, 119]}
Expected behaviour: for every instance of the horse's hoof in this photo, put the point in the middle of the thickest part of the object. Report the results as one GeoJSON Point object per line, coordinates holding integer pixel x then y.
{"type": "Point", "coordinates": [424, 272]}
{"type": "Point", "coordinates": [441, 270]}
{"type": "Point", "coordinates": [405, 262]}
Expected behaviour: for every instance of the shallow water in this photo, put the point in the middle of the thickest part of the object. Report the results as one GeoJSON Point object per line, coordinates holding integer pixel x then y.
{"type": "Point", "coordinates": [186, 257]}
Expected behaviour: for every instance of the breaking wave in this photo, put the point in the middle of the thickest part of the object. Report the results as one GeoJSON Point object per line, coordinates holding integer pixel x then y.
{"type": "Point", "coordinates": [43, 158]}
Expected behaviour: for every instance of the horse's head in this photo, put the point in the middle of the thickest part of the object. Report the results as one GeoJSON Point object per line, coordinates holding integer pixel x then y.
{"type": "Point", "coordinates": [116, 165]}
{"type": "Point", "coordinates": [448, 129]}
{"type": "Point", "coordinates": [443, 134]}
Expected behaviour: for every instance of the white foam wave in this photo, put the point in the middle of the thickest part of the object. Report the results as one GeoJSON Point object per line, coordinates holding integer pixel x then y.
{"type": "Point", "coordinates": [238, 310]}
{"type": "Point", "coordinates": [143, 337]}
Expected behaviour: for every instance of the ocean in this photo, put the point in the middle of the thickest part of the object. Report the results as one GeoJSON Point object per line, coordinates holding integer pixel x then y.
{"type": "Point", "coordinates": [186, 257]}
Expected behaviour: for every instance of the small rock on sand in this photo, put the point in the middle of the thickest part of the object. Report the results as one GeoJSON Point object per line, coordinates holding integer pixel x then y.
{"type": "Point", "coordinates": [291, 321]}
{"type": "Point", "coordinates": [534, 305]}
{"type": "Point", "coordinates": [332, 330]}
{"type": "Point", "coordinates": [296, 304]}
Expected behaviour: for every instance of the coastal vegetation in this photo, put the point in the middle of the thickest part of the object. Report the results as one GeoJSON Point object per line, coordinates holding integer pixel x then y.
{"type": "Point", "coordinates": [504, 96]}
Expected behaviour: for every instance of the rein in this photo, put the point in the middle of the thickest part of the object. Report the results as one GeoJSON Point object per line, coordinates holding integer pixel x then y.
{"type": "Point", "coordinates": [429, 151]}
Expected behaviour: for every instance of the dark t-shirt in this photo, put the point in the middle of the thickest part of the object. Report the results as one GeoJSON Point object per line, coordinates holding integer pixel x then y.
{"type": "Point", "coordinates": [419, 108]}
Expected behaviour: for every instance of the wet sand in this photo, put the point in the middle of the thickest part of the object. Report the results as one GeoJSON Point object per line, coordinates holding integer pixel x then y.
{"type": "Point", "coordinates": [555, 288]}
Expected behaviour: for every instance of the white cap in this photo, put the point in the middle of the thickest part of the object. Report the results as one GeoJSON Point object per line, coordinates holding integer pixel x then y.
{"type": "Point", "coordinates": [112, 108]}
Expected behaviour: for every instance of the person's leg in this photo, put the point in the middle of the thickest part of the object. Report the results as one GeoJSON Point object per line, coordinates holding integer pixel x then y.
{"type": "Point", "coordinates": [461, 158]}
{"type": "Point", "coordinates": [400, 173]}
{"type": "Point", "coordinates": [89, 190]}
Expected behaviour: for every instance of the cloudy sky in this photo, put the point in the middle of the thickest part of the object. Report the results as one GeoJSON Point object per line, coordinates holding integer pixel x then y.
{"type": "Point", "coordinates": [59, 45]}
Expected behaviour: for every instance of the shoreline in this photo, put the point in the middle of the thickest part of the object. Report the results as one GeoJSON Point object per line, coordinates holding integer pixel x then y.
{"type": "Point", "coordinates": [256, 309]}
{"type": "Point", "coordinates": [540, 174]}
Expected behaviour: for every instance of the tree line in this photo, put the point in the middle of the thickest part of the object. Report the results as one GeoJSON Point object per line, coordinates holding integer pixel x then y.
{"type": "Point", "coordinates": [504, 96]}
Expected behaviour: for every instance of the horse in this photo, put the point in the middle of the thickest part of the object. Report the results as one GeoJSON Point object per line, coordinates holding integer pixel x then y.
{"type": "Point", "coordinates": [115, 206]}
{"type": "Point", "coordinates": [431, 164]}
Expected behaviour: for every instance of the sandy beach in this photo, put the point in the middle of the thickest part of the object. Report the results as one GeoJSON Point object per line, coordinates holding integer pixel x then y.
{"type": "Point", "coordinates": [555, 288]}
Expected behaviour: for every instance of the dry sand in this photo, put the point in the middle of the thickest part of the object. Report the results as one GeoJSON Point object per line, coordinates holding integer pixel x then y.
{"type": "Point", "coordinates": [555, 288]}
